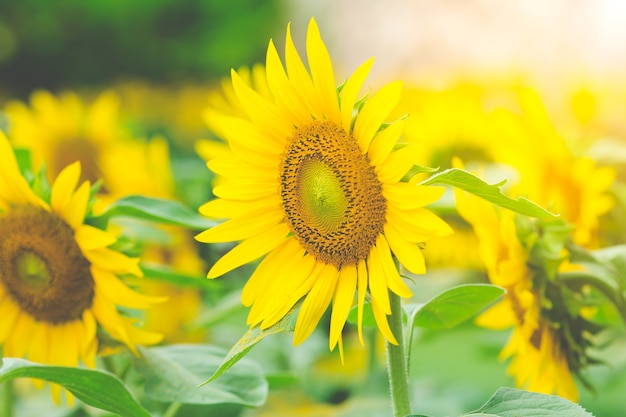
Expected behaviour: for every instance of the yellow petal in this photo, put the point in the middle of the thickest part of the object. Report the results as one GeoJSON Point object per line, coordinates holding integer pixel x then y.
{"type": "Point", "coordinates": [342, 302]}
{"type": "Point", "coordinates": [115, 290]}
{"type": "Point", "coordinates": [8, 312]}
{"type": "Point", "coordinates": [108, 317]}
{"type": "Point", "coordinates": [90, 342]}
{"type": "Point", "coordinates": [350, 92]}
{"type": "Point", "coordinates": [361, 292]}
{"type": "Point", "coordinates": [116, 262]}
{"type": "Point", "coordinates": [64, 187]}
{"type": "Point", "coordinates": [315, 304]}
{"type": "Point", "coordinates": [90, 238]}
{"type": "Point", "coordinates": [40, 343]}
{"type": "Point", "coordinates": [382, 323]}
{"type": "Point", "coordinates": [263, 112]}
{"type": "Point", "coordinates": [384, 142]}
{"type": "Point", "coordinates": [374, 113]}
{"type": "Point", "coordinates": [289, 294]}
{"type": "Point", "coordinates": [322, 72]}
{"type": "Point", "coordinates": [19, 339]}
{"type": "Point", "coordinates": [409, 254]}
{"type": "Point", "coordinates": [300, 78]}
{"type": "Point", "coordinates": [282, 89]}
{"type": "Point", "coordinates": [13, 186]}
{"type": "Point", "coordinates": [407, 196]}
{"type": "Point", "coordinates": [394, 281]}
{"type": "Point", "coordinates": [74, 212]}
{"type": "Point", "coordinates": [398, 163]}
{"type": "Point", "coordinates": [242, 227]}
{"type": "Point", "coordinates": [377, 282]}
{"type": "Point", "coordinates": [250, 250]}
{"type": "Point", "coordinates": [245, 189]}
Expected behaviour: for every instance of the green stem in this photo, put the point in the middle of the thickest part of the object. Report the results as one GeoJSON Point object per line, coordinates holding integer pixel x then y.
{"type": "Point", "coordinates": [172, 409]}
{"type": "Point", "coordinates": [396, 362]}
{"type": "Point", "coordinates": [6, 398]}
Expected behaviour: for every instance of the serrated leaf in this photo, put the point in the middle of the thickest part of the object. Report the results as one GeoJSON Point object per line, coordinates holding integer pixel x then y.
{"type": "Point", "coordinates": [456, 305]}
{"type": "Point", "coordinates": [93, 387]}
{"type": "Point", "coordinates": [156, 210]}
{"type": "Point", "coordinates": [491, 192]}
{"type": "Point", "coordinates": [254, 336]}
{"type": "Point", "coordinates": [509, 402]}
{"type": "Point", "coordinates": [173, 374]}
{"type": "Point", "coordinates": [368, 315]}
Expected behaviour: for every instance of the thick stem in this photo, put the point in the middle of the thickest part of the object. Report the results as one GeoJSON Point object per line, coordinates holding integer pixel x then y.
{"type": "Point", "coordinates": [396, 362]}
{"type": "Point", "coordinates": [6, 398]}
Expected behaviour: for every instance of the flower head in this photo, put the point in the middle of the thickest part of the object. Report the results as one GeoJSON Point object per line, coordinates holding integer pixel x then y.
{"type": "Point", "coordinates": [58, 276]}
{"type": "Point", "coordinates": [312, 182]}
{"type": "Point", "coordinates": [550, 335]}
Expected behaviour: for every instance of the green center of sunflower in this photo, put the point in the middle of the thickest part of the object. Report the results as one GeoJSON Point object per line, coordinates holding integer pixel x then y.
{"type": "Point", "coordinates": [42, 268]}
{"type": "Point", "coordinates": [331, 195]}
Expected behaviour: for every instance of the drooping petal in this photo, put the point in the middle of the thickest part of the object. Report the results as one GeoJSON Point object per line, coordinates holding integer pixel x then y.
{"type": "Point", "coordinates": [394, 281]}
{"type": "Point", "coordinates": [362, 278]}
{"type": "Point", "coordinates": [113, 288]}
{"type": "Point", "coordinates": [315, 303]}
{"type": "Point", "coordinates": [342, 302]}
{"type": "Point", "coordinates": [377, 282]}
{"type": "Point", "coordinates": [409, 254]}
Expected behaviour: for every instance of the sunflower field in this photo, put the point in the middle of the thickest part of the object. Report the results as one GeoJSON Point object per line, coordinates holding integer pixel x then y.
{"type": "Point", "coordinates": [312, 209]}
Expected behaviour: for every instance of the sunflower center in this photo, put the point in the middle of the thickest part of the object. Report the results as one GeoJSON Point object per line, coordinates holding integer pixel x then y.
{"type": "Point", "coordinates": [331, 195]}
{"type": "Point", "coordinates": [42, 268]}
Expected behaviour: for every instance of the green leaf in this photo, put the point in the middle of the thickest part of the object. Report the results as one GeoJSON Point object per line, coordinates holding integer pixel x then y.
{"type": "Point", "coordinates": [173, 374]}
{"type": "Point", "coordinates": [93, 387]}
{"type": "Point", "coordinates": [491, 192]}
{"type": "Point", "coordinates": [508, 402]}
{"type": "Point", "coordinates": [157, 210]}
{"type": "Point", "coordinates": [254, 336]}
{"type": "Point", "coordinates": [456, 305]}
{"type": "Point", "coordinates": [368, 315]}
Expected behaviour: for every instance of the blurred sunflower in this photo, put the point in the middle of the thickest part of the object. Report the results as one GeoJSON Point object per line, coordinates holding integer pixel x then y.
{"type": "Point", "coordinates": [449, 122]}
{"type": "Point", "coordinates": [58, 276]}
{"type": "Point", "coordinates": [63, 129]}
{"type": "Point", "coordinates": [312, 180]}
{"type": "Point", "coordinates": [551, 174]}
{"type": "Point", "coordinates": [66, 128]}
{"type": "Point", "coordinates": [547, 344]}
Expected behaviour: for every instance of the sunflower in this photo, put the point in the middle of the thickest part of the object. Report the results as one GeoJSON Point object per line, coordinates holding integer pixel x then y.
{"type": "Point", "coordinates": [58, 277]}
{"type": "Point", "coordinates": [538, 352]}
{"type": "Point", "coordinates": [65, 128]}
{"type": "Point", "coordinates": [551, 174]}
{"type": "Point", "coordinates": [312, 183]}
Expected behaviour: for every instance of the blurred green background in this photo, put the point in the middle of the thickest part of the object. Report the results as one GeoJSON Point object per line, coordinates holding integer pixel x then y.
{"type": "Point", "coordinates": [67, 43]}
